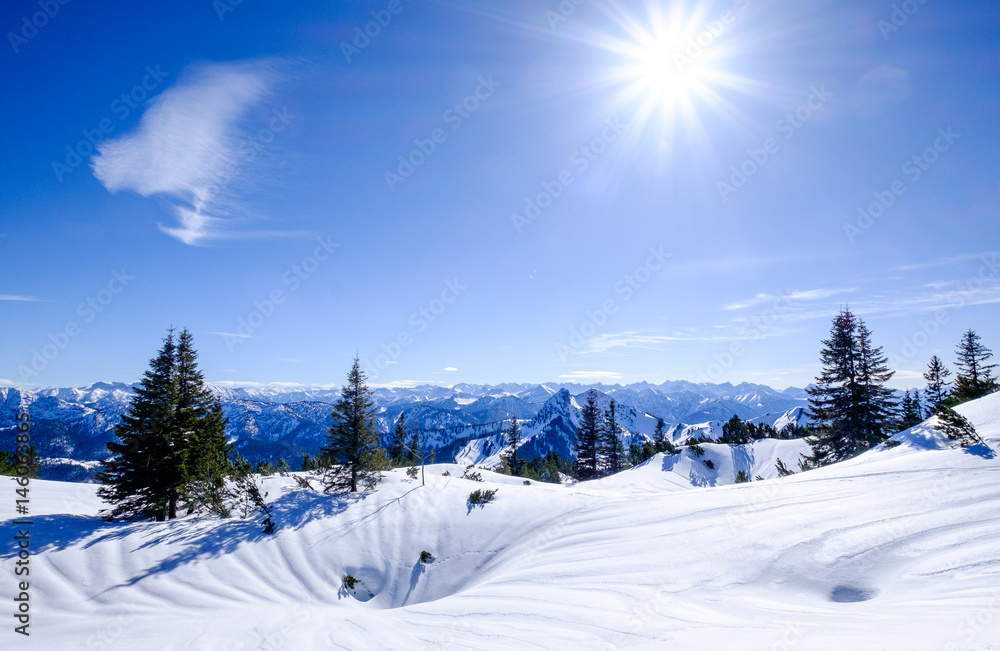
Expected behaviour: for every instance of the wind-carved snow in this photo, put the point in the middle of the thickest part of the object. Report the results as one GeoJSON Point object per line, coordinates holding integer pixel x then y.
{"type": "Point", "coordinates": [895, 549]}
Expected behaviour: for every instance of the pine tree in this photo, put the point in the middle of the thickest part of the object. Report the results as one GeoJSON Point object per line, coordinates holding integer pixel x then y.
{"type": "Point", "coordinates": [910, 412]}
{"type": "Point", "coordinates": [201, 431]}
{"type": "Point", "coordinates": [143, 478]}
{"type": "Point", "coordinates": [879, 405]}
{"type": "Point", "coordinates": [937, 383]}
{"type": "Point", "coordinates": [349, 455]}
{"type": "Point", "coordinates": [612, 447]}
{"type": "Point", "coordinates": [975, 377]}
{"type": "Point", "coordinates": [588, 439]}
{"type": "Point", "coordinates": [852, 408]}
{"type": "Point", "coordinates": [308, 463]}
{"type": "Point", "coordinates": [735, 431]}
{"type": "Point", "coordinates": [834, 401]}
{"type": "Point", "coordinates": [512, 438]}
{"type": "Point", "coordinates": [283, 467]}
{"type": "Point", "coordinates": [414, 448]}
{"type": "Point", "coordinates": [397, 447]}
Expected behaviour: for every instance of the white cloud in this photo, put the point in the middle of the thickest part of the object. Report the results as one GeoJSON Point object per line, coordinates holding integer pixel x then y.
{"type": "Point", "coordinates": [450, 368]}
{"type": "Point", "coordinates": [797, 295]}
{"type": "Point", "coordinates": [17, 297]}
{"type": "Point", "coordinates": [185, 148]}
{"type": "Point", "coordinates": [988, 256]}
{"type": "Point", "coordinates": [592, 375]}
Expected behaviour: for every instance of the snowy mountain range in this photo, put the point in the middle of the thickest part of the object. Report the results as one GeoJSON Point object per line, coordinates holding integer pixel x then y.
{"type": "Point", "coordinates": [464, 422]}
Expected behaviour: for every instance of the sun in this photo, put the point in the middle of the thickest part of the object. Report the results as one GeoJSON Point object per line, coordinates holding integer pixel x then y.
{"type": "Point", "coordinates": [669, 65]}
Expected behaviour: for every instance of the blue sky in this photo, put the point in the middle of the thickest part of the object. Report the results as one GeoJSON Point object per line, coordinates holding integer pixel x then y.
{"type": "Point", "coordinates": [492, 192]}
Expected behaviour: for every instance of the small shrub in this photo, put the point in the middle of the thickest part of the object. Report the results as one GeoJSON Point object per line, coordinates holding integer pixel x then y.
{"type": "Point", "coordinates": [758, 478]}
{"type": "Point", "coordinates": [956, 427]}
{"type": "Point", "coordinates": [696, 449]}
{"type": "Point", "coordinates": [446, 473]}
{"type": "Point", "coordinates": [479, 496]}
{"type": "Point", "coordinates": [412, 472]}
{"type": "Point", "coordinates": [472, 475]}
{"type": "Point", "coordinates": [783, 470]}
{"type": "Point", "coordinates": [350, 582]}
{"type": "Point", "coordinates": [742, 477]}
{"type": "Point", "coordinates": [891, 443]}
{"type": "Point", "coordinates": [527, 482]}
{"type": "Point", "coordinates": [710, 463]}
{"type": "Point", "coordinates": [426, 557]}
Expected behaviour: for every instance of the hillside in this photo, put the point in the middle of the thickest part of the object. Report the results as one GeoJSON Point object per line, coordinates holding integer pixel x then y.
{"type": "Point", "coordinates": [896, 549]}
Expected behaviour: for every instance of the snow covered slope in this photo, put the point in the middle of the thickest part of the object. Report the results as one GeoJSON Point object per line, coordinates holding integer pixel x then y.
{"type": "Point", "coordinates": [896, 549]}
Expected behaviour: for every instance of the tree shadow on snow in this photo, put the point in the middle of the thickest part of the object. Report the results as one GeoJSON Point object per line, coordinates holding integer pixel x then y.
{"type": "Point", "coordinates": [212, 536]}
{"type": "Point", "coordinates": [981, 450]}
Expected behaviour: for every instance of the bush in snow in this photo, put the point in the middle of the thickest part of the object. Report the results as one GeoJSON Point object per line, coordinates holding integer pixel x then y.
{"type": "Point", "coordinates": [412, 472]}
{"type": "Point", "coordinates": [477, 497]}
{"type": "Point", "coordinates": [696, 449]}
{"type": "Point", "coordinates": [350, 582]}
{"type": "Point", "coordinates": [446, 473]}
{"type": "Point", "coordinates": [710, 463]}
{"type": "Point", "coordinates": [783, 470]}
{"type": "Point", "coordinates": [742, 477]}
{"type": "Point", "coordinates": [957, 427]}
{"type": "Point", "coordinates": [472, 475]}
{"type": "Point", "coordinates": [426, 557]}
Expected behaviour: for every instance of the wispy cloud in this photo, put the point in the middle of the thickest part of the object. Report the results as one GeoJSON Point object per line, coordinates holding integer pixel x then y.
{"type": "Point", "coordinates": [18, 297]}
{"type": "Point", "coordinates": [796, 295]}
{"type": "Point", "coordinates": [592, 375]}
{"type": "Point", "coordinates": [944, 262]}
{"type": "Point", "coordinates": [186, 148]}
{"type": "Point", "coordinates": [234, 335]}
{"type": "Point", "coordinates": [450, 368]}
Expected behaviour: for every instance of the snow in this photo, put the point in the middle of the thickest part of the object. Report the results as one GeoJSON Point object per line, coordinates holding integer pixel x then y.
{"type": "Point", "coordinates": [896, 549]}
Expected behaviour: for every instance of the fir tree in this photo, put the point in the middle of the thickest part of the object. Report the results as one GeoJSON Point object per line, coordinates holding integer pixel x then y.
{"type": "Point", "coordinates": [878, 413]}
{"type": "Point", "coordinates": [512, 438]}
{"type": "Point", "coordinates": [835, 399]}
{"type": "Point", "coordinates": [308, 463]}
{"type": "Point", "coordinates": [588, 439]}
{"type": "Point", "coordinates": [910, 411]}
{"type": "Point", "coordinates": [397, 446]}
{"type": "Point", "coordinates": [143, 478]}
{"type": "Point", "coordinates": [349, 455]}
{"type": "Point", "coordinates": [283, 467]}
{"type": "Point", "coordinates": [852, 408]}
{"type": "Point", "coordinates": [612, 447]}
{"type": "Point", "coordinates": [414, 448]}
{"type": "Point", "coordinates": [201, 431]}
{"type": "Point", "coordinates": [975, 377]}
{"type": "Point", "coordinates": [937, 383]}
{"type": "Point", "coordinates": [735, 431]}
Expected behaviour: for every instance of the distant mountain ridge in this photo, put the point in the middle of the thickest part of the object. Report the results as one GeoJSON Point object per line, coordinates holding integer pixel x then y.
{"type": "Point", "coordinates": [464, 422]}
